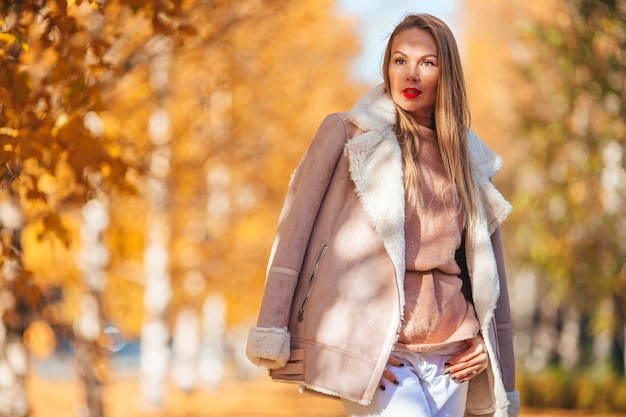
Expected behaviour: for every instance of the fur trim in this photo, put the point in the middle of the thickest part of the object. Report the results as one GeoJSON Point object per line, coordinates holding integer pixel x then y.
{"type": "Point", "coordinates": [268, 347]}
{"type": "Point", "coordinates": [376, 170]}
{"type": "Point", "coordinates": [497, 208]}
{"type": "Point", "coordinates": [483, 271]}
{"type": "Point", "coordinates": [304, 388]}
{"type": "Point", "coordinates": [374, 111]}
{"type": "Point", "coordinates": [486, 164]}
{"type": "Point", "coordinates": [483, 159]}
{"type": "Point", "coordinates": [500, 395]}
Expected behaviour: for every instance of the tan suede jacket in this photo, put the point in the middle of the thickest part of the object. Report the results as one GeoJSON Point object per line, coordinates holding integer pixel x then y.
{"type": "Point", "coordinates": [333, 297]}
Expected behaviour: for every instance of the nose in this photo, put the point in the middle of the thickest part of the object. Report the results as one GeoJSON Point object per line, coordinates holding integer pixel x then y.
{"type": "Point", "coordinates": [413, 74]}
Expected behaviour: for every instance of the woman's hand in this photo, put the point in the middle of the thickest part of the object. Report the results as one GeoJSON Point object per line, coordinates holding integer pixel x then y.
{"type": "Point", "coordinates": [388, 375]}
{"type": "Point", "coordinates": [470, 363]}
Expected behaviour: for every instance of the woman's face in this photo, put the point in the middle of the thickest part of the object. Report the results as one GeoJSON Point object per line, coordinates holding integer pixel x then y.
{"type": "Point", "coordinates": [414, 73]}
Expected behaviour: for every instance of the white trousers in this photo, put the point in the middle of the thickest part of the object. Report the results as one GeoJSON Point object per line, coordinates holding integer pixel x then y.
{"type": "Point", "coordinates": [424, 390]}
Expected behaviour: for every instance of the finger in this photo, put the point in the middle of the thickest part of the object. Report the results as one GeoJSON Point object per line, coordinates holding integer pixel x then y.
{"type": "Point", "coordinates": [390, 376]}
{"type": "Point", "coordinates": [479, 363]}
{"type": "Point", "coordinates": [469, 363]}
{"type": "Point", "coordinates": [475, 350]}
{"type": "Point", "coordinates": [465, 371]}
{"type": "Point", "coordinates": [467, 374]}
{"type": "Point", "coordinates": [394, 361]}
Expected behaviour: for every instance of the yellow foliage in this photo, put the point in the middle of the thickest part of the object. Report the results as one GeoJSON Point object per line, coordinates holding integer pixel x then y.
{"type": "Point", "coordinates": [48, 257]}
{"type": "Point", "coordinates": [577, 191]}
{"type": "Point", "coordinates": [72, 296]}
{"type": "Point", "coordinates": [47, 184]}
{"type": "Point", "coordinates": [7, 37]}
{"type": "Point", "coordinates": [123, 298]}
{"type": "Point", "coordinates": [40, 340]}
{"type": "Point", "coordinates": [246, 92]}
{"type": "Point", "coordinates": [8, 132]}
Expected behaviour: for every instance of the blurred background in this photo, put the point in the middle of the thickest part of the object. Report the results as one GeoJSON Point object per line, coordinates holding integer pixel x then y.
{"type": "Point", "coordinates": [146, 148]}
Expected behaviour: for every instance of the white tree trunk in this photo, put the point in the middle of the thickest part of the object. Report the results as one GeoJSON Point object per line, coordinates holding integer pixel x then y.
{"type": "Point", "coordinates": [94, 258]}
{"type": "Point", "coordinates": [186, 347]}
{"type": "Point", "coordinates": [213, 342]}
{"type": "Point", "coordinates": [13, 357]}
{"type": "Point", "coordinates": [155, 334]}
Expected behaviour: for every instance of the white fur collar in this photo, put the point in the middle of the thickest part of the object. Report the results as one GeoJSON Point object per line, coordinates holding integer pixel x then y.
{"type": "Point", "coordinates": [374, 111]}
{"type": "Point", "coordinates": [376, 170]}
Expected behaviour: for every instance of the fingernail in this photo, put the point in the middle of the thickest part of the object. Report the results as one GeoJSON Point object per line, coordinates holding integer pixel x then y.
{"type": "Point", "coordinates": [447, 364]}
{"type": "Point", "coordinates": [401, 364]}
{"type": "Point", "coordinates": [395, 381]}
{"type": "Point", "coordinates": [453, 378]}
{"type": "Point", "coordinates": [447, 373]}
{"type": "Point", "coordinates": [462, 382]}
{"type": "Point", "coordinates": [382, 387]}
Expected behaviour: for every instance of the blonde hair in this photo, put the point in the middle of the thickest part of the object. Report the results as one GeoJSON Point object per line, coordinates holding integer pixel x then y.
{"type": "Point", "coordinates": [452, 119]}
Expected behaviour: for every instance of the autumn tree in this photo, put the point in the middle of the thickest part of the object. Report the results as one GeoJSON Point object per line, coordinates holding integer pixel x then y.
{"type": "Point", "coordinates": [574, 129]}
{"type": "Point", "coordinates": [56, 57]}
{"type": "Point", "coordinates": [560, 122]}
{"type": "Point", "coordinates": [80, 104]}
{"type": "Point", "coordinates": [244, 98]}
{"type": "Point", "coordinates": [265, 75]}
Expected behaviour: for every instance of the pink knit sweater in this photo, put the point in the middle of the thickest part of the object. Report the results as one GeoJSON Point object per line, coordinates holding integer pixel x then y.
{"type": "Point", "coordinates": [435, 312]}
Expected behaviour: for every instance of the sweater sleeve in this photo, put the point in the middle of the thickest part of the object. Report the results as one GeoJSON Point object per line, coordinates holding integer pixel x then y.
{"type": "Point", "coordinates": [269, 341]}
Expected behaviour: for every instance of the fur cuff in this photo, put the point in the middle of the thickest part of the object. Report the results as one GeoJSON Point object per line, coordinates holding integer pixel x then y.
{"type": "Point", "coordinates": [268, 346]}
{"type": "Point", "coordinates": [514, 403]}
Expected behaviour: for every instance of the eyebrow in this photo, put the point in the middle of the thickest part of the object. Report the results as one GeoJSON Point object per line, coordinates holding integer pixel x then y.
{"type": "Point", "coordinates": [423, 56]}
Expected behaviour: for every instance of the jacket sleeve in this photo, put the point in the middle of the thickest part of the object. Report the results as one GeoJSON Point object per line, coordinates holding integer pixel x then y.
{"type": "Point", "coordinates": [268, 342]}
{"type": "Point", "coordinates": [504, 329]}
{"type": "Point", "coordinates": [503, 318]}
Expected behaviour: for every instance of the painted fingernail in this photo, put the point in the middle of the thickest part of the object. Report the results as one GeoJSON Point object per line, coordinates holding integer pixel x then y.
{"type": "Point", "coordinates": [395, 381]}
{"type": "Point", "coordinates": [453, 378]}
{"type": "Point", "coordinates": [401, 364]}
{"type": "Point", "coordinates": [462, 382]}
{"type": "Point", "coordinates": [447, 364]}
{"type": "Point", "coordinates": [447, 373]}
{"type": "Point", "coordinates": [382, 387]}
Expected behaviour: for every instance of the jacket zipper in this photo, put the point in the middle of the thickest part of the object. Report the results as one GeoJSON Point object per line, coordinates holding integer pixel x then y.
{"type": "Point", "coordinates": [307, 295]}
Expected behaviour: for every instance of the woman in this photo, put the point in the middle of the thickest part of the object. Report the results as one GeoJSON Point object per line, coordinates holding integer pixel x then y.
{"type": "Point", "coordinates": [386, 285]}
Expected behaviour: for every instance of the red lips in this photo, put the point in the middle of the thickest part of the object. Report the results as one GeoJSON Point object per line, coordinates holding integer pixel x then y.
{"type": "Point", "coordinates": [411, 92]}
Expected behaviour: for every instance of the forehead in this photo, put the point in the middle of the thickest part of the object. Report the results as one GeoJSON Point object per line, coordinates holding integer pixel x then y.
{"type": "Point", "coordinates": [414, 40]}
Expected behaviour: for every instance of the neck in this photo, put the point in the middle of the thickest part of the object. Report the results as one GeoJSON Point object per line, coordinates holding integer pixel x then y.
{"type": "Point", "coordinates": [428, 122]}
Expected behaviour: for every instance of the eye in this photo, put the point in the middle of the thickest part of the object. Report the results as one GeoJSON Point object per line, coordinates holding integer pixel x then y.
{"type": "Point", "coordinates": [429, 63]}
{"type": "Point", "coordinates": [400, 61]}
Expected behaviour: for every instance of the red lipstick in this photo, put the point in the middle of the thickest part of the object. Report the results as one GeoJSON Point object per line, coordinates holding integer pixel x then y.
{"type": "Point", "coordinates": [411, 92]}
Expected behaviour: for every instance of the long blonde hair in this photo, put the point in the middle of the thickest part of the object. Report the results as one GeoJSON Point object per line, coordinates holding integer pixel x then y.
{"type": "Point", "coordinates": [452, 119]}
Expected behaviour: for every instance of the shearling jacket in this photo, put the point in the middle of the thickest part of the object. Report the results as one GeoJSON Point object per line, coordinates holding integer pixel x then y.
{"type": "Point", "coordinates": [334, 292]}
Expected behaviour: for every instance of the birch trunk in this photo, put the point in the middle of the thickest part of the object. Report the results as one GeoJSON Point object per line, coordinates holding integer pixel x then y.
{"type": "Point", "coordinates": [13, 358]}
{"type": "Point", "coordinates": [213, 343]}
{"type": "Point", "coordinates": [155, 334]}
{"type": "Point", "coordinates": [186, 347]}
{"type": "Point", "coordinates": [94, 258]}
